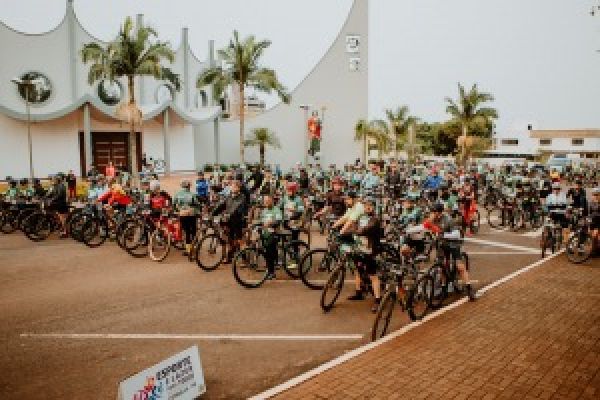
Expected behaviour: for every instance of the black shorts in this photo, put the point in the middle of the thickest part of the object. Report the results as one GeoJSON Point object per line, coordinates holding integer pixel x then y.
{"type": "Point", "coordinates": [59, 208]}
{"type": "Point", "coordinates": [367, 261]}
{"type": "Point", "coordinates": [560, 219]}
{"type": "Point", "coordinates": [235, 231]}
{"type": "Point", "coordinates": [452, 252]}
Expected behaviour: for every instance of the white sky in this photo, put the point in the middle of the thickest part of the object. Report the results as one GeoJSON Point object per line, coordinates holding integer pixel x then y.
{"type": "Point", "coordinates": [538, 57]}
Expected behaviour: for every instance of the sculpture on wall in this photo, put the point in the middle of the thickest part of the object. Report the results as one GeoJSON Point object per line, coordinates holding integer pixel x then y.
{"type": "Point", "coordinates": [315, 126]}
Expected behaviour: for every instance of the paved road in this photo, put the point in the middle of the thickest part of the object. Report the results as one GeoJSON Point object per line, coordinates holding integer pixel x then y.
{"type": "Point", "coordinates": [535, 337]}
{"type": "Point", "coordinates": [60, 286]}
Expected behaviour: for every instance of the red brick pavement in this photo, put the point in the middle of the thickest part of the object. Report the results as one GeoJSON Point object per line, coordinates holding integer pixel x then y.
{"type": "Point", "coordinates": [535, 337]}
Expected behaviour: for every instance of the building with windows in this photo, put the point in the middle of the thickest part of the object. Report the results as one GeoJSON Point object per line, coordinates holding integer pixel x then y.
{"type": "Point", "coordinates": [567, 143]}
{"type": "Point", "coordinates": [74, 125]}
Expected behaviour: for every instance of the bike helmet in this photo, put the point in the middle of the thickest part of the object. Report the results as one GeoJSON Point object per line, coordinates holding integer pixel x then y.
{"type": "Point", "coordinates": [352, 194]}
{"type": "Point", "coordinates": [555, 185]}
{"type": "Point", "coordinates": [24, 181]}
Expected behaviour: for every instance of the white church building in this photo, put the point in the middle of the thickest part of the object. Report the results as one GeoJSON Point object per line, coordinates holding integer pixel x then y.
{"type": "Point", "coordinates": [73, 124]}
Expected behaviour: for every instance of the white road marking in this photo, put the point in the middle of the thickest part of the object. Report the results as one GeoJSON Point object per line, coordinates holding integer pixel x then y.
{"type": "Point", "coordinates": [503, 245]}
{"type": "Point", "coordinates": [356, 352]}
{"type": "Point", "coordinates": [164, 336]}
{"type": "Point", "coordinates": [534, 234]}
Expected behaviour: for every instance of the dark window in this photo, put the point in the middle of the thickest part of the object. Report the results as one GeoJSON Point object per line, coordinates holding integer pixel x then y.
{"type": "Point", "coordinates": [545, 142]}
{"type": "Point", "coordinates": [510, 142]}
{"type": "Point", "coordinates": [577, 142]}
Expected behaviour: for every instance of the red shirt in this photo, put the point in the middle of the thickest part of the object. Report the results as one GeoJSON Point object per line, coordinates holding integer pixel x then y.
{"type": "Point", "coordinates": [115, 197]}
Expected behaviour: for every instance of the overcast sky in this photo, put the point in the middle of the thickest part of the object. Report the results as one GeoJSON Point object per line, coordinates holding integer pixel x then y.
{"type": "Point", "coordinates": [538, 57]}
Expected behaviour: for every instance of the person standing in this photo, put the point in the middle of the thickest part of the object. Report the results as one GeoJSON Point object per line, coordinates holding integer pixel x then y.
{"type": "Point", "coordinates": [72, 184]}
{"type": "Point", "coordinates": [186, 203]}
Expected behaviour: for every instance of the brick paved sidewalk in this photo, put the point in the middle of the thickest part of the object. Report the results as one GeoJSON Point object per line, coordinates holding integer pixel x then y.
{"type": "Point", "coordinates": [535, 337]}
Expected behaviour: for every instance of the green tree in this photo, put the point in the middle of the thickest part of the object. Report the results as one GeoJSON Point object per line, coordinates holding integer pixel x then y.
{"type": "Point", "coordinates": [135, 51]}
{"type": "Point", "coordinates": [469, 113]}
{"type": "Point", "coordinates": [376, 130]}
{"type": "Point", "coordinates": [242, 69]}
{"type": "Point", "coordinates": [262, 137]}
{"type": "Point", "coordinates": [400, 121]}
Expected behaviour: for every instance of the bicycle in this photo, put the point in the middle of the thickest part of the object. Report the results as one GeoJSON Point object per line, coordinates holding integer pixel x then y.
{"type": "Point", "coordinates": [580, 246]}
{"type": "Point", "coordinates": [250, 265]}
{"type": "Point", "coordinates": [551, 236]}
{"type": "Point", "coordinates": [445, 272]}
{"type": "Point", "coordinates": [406, 285]}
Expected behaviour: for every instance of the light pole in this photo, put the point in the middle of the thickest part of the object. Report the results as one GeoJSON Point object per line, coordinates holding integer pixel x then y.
{"type": "Point", "coordinates": [305, 107]}
{"type": "Point", "coordinates": [27, 85]}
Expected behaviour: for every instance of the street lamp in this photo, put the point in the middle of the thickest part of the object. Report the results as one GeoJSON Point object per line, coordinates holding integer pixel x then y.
{"type": "Point", "coordinates": [306, 108]}
{"type": "Point", "coordinates": [28, 85]}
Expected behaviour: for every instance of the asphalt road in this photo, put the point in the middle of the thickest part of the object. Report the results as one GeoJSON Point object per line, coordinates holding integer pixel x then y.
{"type": "Point", "coordinates": [60, 286]}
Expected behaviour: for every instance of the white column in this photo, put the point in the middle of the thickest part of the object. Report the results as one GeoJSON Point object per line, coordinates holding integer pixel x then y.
{"type": "Point", "coordinates": [167, 148]}
{"type": "Point", "coordinates": [87, 137]}
{"type": "Point", "coordinates": [217, 145]}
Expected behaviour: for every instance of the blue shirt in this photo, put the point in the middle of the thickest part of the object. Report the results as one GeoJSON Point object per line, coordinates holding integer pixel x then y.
{"type": "Point", "coordinates": [202, 187]}
{"type": "Point", "coordinates": [432, 182]}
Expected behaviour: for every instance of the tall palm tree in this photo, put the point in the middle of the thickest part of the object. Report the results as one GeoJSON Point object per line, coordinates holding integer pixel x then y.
{"type": "Point", "coordinates": [242, 68]}
{"type": "Point", "coordinates": [262, 137]}
{"type": "Point", "coordinates": [376, 130]}
{"type": "Point", "coordinates": [400, 121]}
{"type": "Point", "coordinates": [134, 52]}
{"type": "Point", "coordinates": [469, 113]}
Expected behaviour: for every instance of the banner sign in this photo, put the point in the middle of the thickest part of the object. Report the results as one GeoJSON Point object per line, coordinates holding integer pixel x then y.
{"type": "Point", "coordinates": [179, 377]}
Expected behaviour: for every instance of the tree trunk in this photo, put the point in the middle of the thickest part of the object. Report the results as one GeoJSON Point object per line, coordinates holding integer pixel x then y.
{"type": "Point", "coordinates": [396, 147]}
{"type": "Point", "coordinates": [132, 137]}
{"type": "Point", "coordinates": [261, 148]}
{"type": "Point", "coordinates": [366, 149]}
{"type": "Point", "coordinates": [242, 100]}
{"type": "Point", "coordinates": [464, 145]}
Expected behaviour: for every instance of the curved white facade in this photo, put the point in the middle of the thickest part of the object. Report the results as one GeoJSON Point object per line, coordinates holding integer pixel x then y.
{"type": "Point", "coordinates": [183, 131]}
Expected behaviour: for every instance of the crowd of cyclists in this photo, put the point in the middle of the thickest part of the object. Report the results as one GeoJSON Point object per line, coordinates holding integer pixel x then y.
{"type": "Point", "coordinates": [391, 224]}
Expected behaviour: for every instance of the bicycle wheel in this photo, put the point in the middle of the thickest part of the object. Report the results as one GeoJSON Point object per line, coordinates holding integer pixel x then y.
{"type": "Point", "coordinates": [494, 218]}
{"type": "Point", "coordinates": [579, 248]}
{"type": "Point", "coordinates": [294, 251]}
{"type": "Point", "coordinates": [545, 242]}
{"type": "Point", "coordinates": [250, 268]}
{"type": "Point", "coordinates": [440, 286]}
{"type": "Point", "coordinates": [37, 227]}
{"type": "Point", "coordinates": [76, 225]}
{"type": "Point", "coordinates": [135, 240]}
{"type": "Point", "coordinates": [383, 316]}
{"type": "Point", "coordinates": [315, 267]}
{"type": "Point", "coordinates": [8, 222]}
{"type": "Point", "coordinates": [95, 232]}
{"type": "Point", "coordinates": [159, 245]}
{"type": "Point", "coordinates": [210, 252]}
{"type": "Point", "coordinates": [419, 299]}
{"type": "Point", "coordinates": [333, 287]}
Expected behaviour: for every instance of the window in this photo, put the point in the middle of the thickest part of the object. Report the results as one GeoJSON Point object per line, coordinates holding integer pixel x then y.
{"type": "Point", "coordinates": [510, 142]}
{"type": "Point", "coordinates": [577, 142]}
{"type": "Point", "coordinates": [201, 99]}
{"type": "Point", "coordinates": [545, 142]}
{"type": "Point", "coordinates": [40, 90]}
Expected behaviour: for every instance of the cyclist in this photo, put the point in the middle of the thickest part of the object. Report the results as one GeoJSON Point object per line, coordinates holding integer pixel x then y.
{"type": "Point", "coordinates": [233, 209]}
{"type": "Point", "coordinates": [577, 195]}
{"type": "Point", "coordinates": [38, 189]}
{"type": "Point", "coordinates": [556, 203]}
{"type": "Point", "coordinates": [115, 197]}
{"type": "Point", "coordinates": [334, 200]}
{"type": "Point", "coordinates": [432, 183]}
{"type": "Point", "coordinates": [270, 218]}
{"type": "Point", "coordinates": [293, 207]}
{"type": "Point", "coordinates": [439, 223]}
{"type": "Point", "coordinates": [57, 201]}
{"type": "Point", "coordinates": [186, 203]}
{"type": "Point", "coordinates": [25, 190]}
{"type": "Point", "coordinates": [202, 187]}
{"type": "Point", "coordinates": [13, 191]}
{"type": "Point", "coordinates": [369, 227]}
